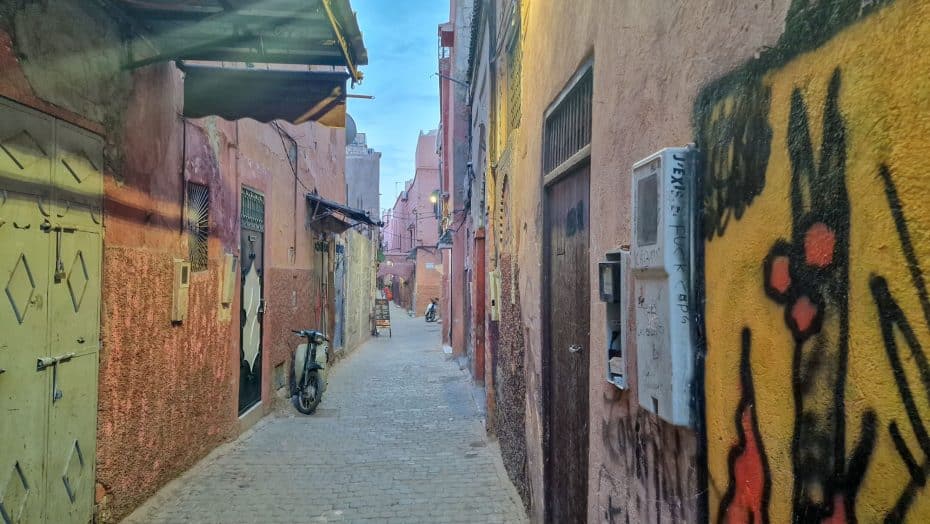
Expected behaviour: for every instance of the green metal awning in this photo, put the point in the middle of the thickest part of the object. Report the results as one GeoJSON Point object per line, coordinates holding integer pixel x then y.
{"type": "Point", "coordinates": [265, 95]}
{"type": "Point", "coordinates": [327, 215]}
{"type": "Point", "coordinates": [308, 32]}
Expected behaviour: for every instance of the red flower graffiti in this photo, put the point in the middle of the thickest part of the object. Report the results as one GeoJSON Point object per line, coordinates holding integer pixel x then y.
{"type": "Point", "coordinates": [746, 499]}
{"type": "Point", "coordinates": [804, 308]}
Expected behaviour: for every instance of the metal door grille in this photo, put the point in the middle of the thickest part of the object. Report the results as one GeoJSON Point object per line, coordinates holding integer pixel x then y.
{"type": "Point", "coordinates": [568, 126]}
{"type": "Point", "coordinates": [253, 210]}
{"type": "Point", "coordinates": [198, 224]}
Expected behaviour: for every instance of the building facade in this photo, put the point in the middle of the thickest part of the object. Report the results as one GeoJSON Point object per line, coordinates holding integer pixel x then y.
{"type": "Point", "coordinates": [181, 256]}
{"type": "Point", "coordinates": [800, 385]}
{"type": "Point", "coordinates": [411, 233]}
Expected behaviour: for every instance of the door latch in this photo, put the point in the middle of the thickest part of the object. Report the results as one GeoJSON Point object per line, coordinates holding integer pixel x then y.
{"type": "Point", "coordinates": [53, 362]}
{"type": "Point", "coordinates": [574, 348]}
{"type": "Point", "coordinates": [46, 362]}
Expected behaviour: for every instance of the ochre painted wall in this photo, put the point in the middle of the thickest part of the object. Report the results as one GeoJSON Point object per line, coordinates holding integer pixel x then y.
{"type": "Point", "coordinates": [818, 320]}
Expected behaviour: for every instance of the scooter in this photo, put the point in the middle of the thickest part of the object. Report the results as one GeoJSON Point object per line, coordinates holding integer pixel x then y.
{"type": "Point", "coordinates": [432, 310]}
{"type": "Point", "coordinates": [308, 377]}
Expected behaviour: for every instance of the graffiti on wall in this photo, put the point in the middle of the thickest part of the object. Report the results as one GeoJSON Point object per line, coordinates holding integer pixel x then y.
{"type": "Point", "coordinates": [658, 456]}
{"type": "Point", "coordinates": [816, 298]}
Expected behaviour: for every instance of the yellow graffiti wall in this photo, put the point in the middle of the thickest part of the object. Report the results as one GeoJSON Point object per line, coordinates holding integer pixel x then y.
{"type": "Point", "coordinates": [817, 386]}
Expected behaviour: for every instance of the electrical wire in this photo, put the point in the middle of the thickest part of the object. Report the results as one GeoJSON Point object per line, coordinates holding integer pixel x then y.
{"type": "Point", "coordinates": [281, 133]}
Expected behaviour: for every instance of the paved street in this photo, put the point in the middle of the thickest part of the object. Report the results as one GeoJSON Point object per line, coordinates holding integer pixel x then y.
{"type": "Point", "coordinates": [397, 438]}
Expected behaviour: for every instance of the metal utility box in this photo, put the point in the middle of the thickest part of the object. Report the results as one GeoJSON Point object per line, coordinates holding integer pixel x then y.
{"type": "Point", "coordinates": [494, 289]}
{"type": "Point", "coordinates": [613, 283]}
{"type": "Point", "coordinates": [663, 224]}
{"type": "Point", "coordinates": [230, 278]}
{"type": "Point", "coordinates": [180, 290]}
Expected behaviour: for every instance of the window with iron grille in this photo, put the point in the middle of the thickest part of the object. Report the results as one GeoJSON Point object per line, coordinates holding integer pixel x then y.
{"type": "Point", "coordinates": [253, 210]}
{"type": "Point", "coordinates": [568, 126]}
{"type": "Point", "coordinates": [198, 224]}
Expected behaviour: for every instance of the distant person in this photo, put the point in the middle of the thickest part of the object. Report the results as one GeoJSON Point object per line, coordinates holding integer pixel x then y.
{"type": "Point", "coordinates": [388, 294]}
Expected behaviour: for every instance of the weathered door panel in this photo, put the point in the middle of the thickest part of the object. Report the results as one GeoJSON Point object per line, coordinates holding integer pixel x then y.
{"type": "Point", "coordinates": [252, 249]}
{"type": "Point", "coordinates": [50, 263]}
{"type": "Point", "coordinates": [74, 309]}
{"type": "Point", "coordinates": [566, 235]}
{"type": "Point", "coordinates": [24, 278]}
{"type": "Point", "coordinates": [26, 149]}
{"type": "Point", "coordinates": [71, 439]}
{"type": "Point", "coordinates": [77, 175]}
{"type": "Point", "coordinates": [339, 277]}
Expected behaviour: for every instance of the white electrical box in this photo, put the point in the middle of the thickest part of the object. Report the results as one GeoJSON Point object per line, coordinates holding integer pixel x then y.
{"type": "Point", "coordinates": [180, 290]}
{"type": "Point", "coordinates": [663, 224]}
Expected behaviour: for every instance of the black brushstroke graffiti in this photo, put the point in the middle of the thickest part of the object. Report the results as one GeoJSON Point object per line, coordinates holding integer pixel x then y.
{"type": "Point", "coordinates": [737, 142]}
{"type": "Point", "coordinates": [892, 319]}
{"type": "Point", "coordinates": [810, 276]}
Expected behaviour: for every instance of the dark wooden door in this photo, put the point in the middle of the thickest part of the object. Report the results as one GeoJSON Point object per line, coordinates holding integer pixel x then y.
{"type": "Point", "coordinates": [566, 341]}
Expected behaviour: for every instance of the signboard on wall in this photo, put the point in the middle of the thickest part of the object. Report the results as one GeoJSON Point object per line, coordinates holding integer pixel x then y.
{"type": "Point", "coordinates": [383, 314]}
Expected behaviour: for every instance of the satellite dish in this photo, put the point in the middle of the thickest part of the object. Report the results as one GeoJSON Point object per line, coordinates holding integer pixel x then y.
{"type": "Point", "coordinates": [351, 130]}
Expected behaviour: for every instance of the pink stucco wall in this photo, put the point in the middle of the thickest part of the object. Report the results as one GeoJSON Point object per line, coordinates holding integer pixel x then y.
{"type": "Point", "coordinates": [649, 63]}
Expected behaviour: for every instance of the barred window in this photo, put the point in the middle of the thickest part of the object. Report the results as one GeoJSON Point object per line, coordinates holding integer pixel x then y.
{"type": "Point", "coordinates": [568, 126]}
{"type": "Point", "coordinates": [198, 224]}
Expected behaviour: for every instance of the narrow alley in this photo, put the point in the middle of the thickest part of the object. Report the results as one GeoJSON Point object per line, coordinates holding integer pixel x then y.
{"type": "Point", "coordinates": [643, 262]}
{"type": "Point", "coordinates": [398, 438]}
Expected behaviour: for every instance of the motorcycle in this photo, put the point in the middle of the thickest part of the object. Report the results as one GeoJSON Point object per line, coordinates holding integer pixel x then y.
{"type": "Point", "coordinates": [308, 376]}
{"type": "Point", "coordinates": [432, 311]}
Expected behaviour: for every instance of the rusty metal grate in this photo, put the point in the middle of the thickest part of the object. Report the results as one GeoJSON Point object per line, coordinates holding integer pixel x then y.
{"type": "Point", "coordinates": [568, 127]}
{"type": "Point", "coordinates": [198, 224]}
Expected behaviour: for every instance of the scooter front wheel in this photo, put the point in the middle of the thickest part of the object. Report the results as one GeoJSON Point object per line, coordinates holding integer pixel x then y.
{"type": "Point", "coordinates": [309, 394]}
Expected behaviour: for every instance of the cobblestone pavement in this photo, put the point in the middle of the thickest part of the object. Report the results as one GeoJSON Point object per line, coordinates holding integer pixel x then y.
{"type": "Point", "coordinates": [397, 438]}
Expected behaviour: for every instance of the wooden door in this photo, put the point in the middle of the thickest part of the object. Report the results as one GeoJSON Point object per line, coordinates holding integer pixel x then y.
{"type": "Point", "coordinates": [566, 343]}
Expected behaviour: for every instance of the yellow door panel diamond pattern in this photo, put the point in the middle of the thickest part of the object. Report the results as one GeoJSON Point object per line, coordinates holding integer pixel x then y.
{"type": "Point", "coordinates": [26, 148]}
{"type": "Point", "coordinates": [74, 472]}
{"type": "Point", "coordinates": [14, 496]}
{"type": "Point", "coordinates": [77, 280]}
{"type": "Point", "coordinates": [22, 151]}
{"type": "Point", "coordinates": [20, 288]}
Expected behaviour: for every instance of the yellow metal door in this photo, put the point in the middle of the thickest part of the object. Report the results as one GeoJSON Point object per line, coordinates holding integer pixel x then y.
{"type": "Point", "coordinates": [26, 150]}
{"type": "Point", "coordinates": [50, 264]}
{"type": "Point", "coordinates": [23, 339]}
{"type": "Point", "coordinates": [74, 320]}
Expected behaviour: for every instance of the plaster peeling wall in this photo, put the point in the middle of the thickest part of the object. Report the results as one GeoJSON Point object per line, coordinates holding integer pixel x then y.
{"type": "Point", "coordinates": [359, 301]}
{"type": "Point", "coordinates": [818, 319]}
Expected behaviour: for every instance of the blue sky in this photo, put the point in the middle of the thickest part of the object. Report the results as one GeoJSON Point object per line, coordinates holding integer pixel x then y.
{"type": "Point", "coordinates": [402, 44]}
